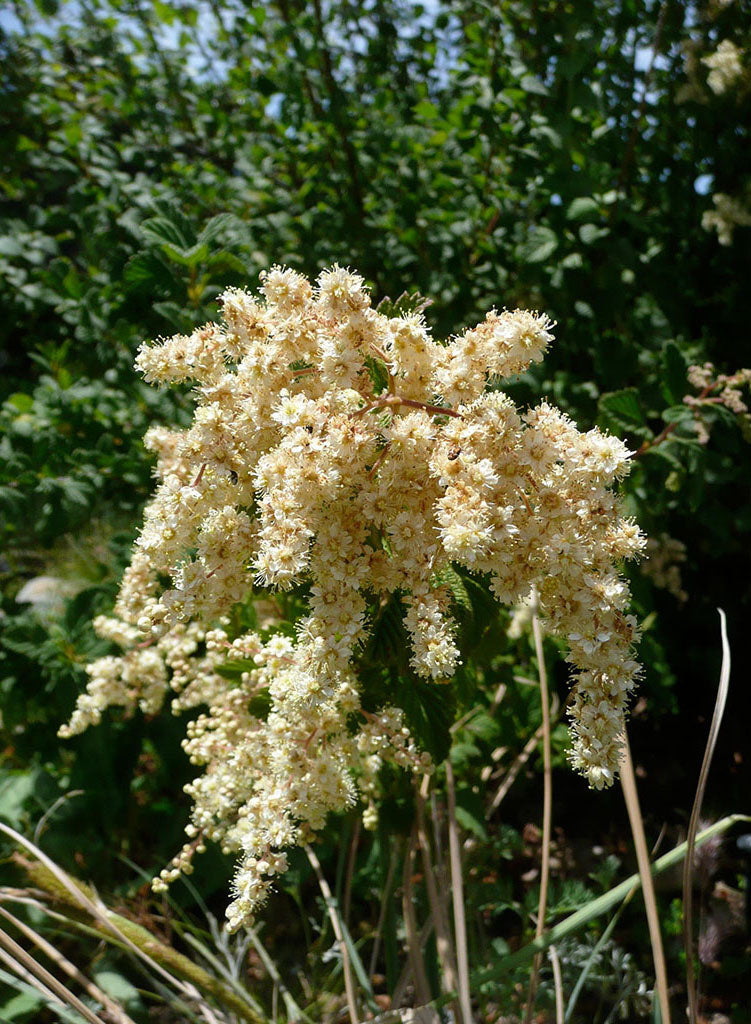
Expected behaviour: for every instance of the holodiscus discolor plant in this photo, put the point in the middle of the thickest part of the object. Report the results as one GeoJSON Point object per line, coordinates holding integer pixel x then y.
{"type": "Point", "coordinates": [343, 451]}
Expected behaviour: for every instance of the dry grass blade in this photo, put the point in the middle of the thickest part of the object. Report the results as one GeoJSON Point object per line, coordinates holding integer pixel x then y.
{"type": "Point", "coordinates": [628, 782]}
{"type": "Point", "coordinates": [94, 907]}
{"type": "Point", "coordinates": [693, 825]}
{"type": "Point", "coordinates": [328, 896]}
{"type": "Point", "coordinates": [114, 1010]}
{"type": "Point", "coordinates": [119, 931]}
{"type": "Point", "coordinates": [521, 759]}
{"type": "Point", "coordinates": [24, 980]}
{"type": "Point", "coordinates": [414, 938]}
{"type": "Point", "coordinates": [547, 805]}
{"type": "Point", "coordinates": [351, 858]}
{"type": "Point", "coordinates": [444, 944]}
{"type": "Point", "coordinates": [49, 981]}
{"type": "Point", "coordinates": [457, 895]}
{"type": "Point", "coordinates": [555, 963]}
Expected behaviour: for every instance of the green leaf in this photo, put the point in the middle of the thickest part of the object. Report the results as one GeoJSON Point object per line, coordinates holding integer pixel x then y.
{"type": "Point", "coordinates": [164, 231]}
{"type": "Point", "coordinates": [590, 233]}
{"type": "Point", "coordinates": [408, 302]}
{"type": "Point", "coordinates": [449, 577]}
{"type": "Point", "coordinates": [147, 270]}
{"type": "Point", "coordinates": [235, 668]}
{"type": "Point", "coordinates": [20, 1007]}
{"type": "Point", "coordinates": [675, 369]}
{"type": "Point", "coordinates": [214, 228]}
{"type": "Point", "coordinates": [539, 246]}
{"type": "Point", "coordinates": [22, 402]}
{"type": "Point", "coordinates": [119, 988]}
{"type": "Point", "coordinates": [471, 823]}
{"type": "Point", "coordinates": [621, 410]}
{"type": "Point", "coordinates": [581, 208]}
{"type": "Point", "coordinates": [429, 710]}
{"type": "Point", "coordinates": [425, 110]}
{"type": "Point", "coordinates": [192, 256]}
{"type": "Point", "coordinates": [530, 83]}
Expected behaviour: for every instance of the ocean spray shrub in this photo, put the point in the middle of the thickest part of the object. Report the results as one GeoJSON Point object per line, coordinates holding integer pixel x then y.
{"type": "Point", "coordinates": [346, 454]}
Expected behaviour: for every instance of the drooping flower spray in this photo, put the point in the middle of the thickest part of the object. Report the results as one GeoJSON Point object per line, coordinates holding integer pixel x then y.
{"type": "Point", "coordinates": [346, 450]}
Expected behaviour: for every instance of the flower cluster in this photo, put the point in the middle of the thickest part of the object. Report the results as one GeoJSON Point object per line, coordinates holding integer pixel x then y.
{"type": "Point", "coordinates": [725, 67]}
{"type": "Point", "coordinates": [723, 73]}
{"type": "Point", "coordinates": [717, 389]}
{"type": "Point", "coordinates": [664, 556]}
{"type": "Point", "coordinates": [727, 215]}
{"type": "Point", "coordinates": [345, 451]}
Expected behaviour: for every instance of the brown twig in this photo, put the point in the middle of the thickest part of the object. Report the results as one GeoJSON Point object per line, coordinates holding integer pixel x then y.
{"type": "Point", "coordinates": [670, 427]}
{"type": "Point", "coordinates": [391, 401]}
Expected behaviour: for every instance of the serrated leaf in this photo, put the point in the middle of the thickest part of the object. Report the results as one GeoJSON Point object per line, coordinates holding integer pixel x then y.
{"type": "Point", "coordinates": [225, 260]}
{"type": "Point", "coordinates": [406, 303]}
{"type": "Point", "coordinates": [539, 245]}
{"type": "Point", "coordinates": [146, 269]}
{"type": "Point", "coordinates": [164, 231]}
{"type": "Point", "coordinates": [191, 256]}
{"type": "Point", "coordinates": [429, 713]}
{"type": "Point", "coordinates": [621, 410]}
{"type": "Point", "coordinates": [260, 704]}
{"type": "Point", "coordinates": [449, 577]}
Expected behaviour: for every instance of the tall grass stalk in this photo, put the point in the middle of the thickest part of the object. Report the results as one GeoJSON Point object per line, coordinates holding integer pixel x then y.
{"type": "Point", "coordinates": [414, 943]}
{"type": "Point", "coordinates": [555, 963]}
{"type": "Point", "coordinates": [333, 912]}
{"type": "Point", "coordinates": [113, 1009]}
{"type": "Point", "coordinates": [547, 805]}
{"type": "Point", "coordinates": [628, 784]}
{"type": "Point", "coordinates": [693, 826]}
{"type": "Point", "coordinates": [444, 943]}
{"type": "Point", "coordinates": [457, 895]}
{"type": "Point", "coordinates": [16, 954]}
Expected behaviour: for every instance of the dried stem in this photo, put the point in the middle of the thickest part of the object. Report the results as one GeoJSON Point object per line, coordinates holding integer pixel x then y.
{"type": "Point", "coordinates": [414, 946]}
{"type": "Point", "coordinates": [457, 895]}
{"type": "Point", "coordinates": [114, 1010]}
{"type": "Point", "coordinates": [393, 401]}
{"type": "Point", "coordinates": [385, 897]}
{"type": "Point", "coordinates": [445, 946]}
{"type": "Point", "coordinates": [333, 911]}
{"type": "Point", "coordinates": [49, 981]}
{"type": "Point", "coordinates": [628, 782]}
{"type": "Point", "coordinates": [79, 900]}
{"type": "Point", "coordinates": [555, 963]}
{"type": "Point", "coordinates": [547, 805]}
{"type": "Point", "coordinates": [693, 827]}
